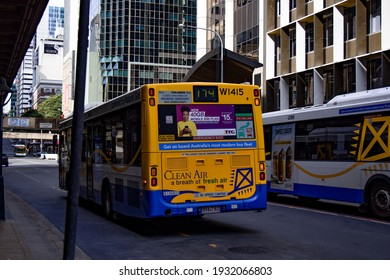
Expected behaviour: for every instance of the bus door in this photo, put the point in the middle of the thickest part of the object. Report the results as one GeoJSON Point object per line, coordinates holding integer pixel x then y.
{"type": "Point", "coordinates": [89, 161]}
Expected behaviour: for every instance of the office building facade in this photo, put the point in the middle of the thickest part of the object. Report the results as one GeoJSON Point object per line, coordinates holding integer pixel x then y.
{"type": "Point", "coordinates": [24, 81]}
{"type": "Point", "coordinates": [240, 26]}
{"type": "Point", "coordinates": [28, 80]}
{"type": "Point", "coordinates": [317, 49]}
{"type": "Point", "coordinates": [140, 43]}
{"type": "Point", "coordinates": [48, 60]}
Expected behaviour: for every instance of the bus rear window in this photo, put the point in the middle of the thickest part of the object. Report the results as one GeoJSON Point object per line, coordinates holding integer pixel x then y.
{"type": "Point", "coordinates": [205, 121]}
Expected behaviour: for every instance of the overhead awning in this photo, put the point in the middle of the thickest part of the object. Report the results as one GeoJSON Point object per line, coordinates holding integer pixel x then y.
{"type": "Point", "coordinates": [18, 23]}
{"type": "Point", "coordinates": [236, 68]}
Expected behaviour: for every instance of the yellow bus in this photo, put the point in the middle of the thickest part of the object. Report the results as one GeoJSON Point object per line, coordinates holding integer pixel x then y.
{"type": "Point", "coordinates": [175, 149]}
{"type": "Point", "coordinates": [20, 150]}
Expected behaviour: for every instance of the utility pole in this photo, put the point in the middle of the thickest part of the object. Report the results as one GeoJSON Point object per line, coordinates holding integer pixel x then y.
{"type": "Point", "coordinates": [77, 135]}
{"type": "Point", "coordinates": [4, 90]}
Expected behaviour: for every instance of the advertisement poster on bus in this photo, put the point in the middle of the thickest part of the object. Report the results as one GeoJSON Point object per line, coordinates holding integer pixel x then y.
{"type": "Point", "coordinates": [206, 120]}
{"type": "Point", "coordinates": [282, 168]}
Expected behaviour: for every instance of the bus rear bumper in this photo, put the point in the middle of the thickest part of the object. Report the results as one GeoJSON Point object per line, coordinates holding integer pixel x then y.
{"type": "Point", "coordinates": [162, 208]}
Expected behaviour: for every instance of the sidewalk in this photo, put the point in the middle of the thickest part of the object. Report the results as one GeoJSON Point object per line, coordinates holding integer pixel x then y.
{"type": "Point", "coordinates": [27, 235]}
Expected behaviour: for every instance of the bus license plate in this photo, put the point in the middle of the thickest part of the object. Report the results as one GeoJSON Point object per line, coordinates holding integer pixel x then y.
{"type": "Point", "coordinates": [211, 209]}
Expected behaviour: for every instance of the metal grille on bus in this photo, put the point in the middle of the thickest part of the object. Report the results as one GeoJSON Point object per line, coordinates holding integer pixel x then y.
{"type": "Point", "coordinates": [181, 163]}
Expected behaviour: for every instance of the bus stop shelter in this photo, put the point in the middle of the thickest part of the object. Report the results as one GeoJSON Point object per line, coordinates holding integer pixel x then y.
{"type": "Point", "coordinates": [236, 68]}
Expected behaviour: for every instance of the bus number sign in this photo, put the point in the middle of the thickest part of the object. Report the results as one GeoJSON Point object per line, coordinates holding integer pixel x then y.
{"type": "Point", "coordinates": [205, 94]}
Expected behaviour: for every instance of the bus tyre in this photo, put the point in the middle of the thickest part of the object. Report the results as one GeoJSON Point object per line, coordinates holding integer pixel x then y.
{"type": "Point", "coordinates": [107, 206]}
{"type": "Point", "coordinates": [379, 199]}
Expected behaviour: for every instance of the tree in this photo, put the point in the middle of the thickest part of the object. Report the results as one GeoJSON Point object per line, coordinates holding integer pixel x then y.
{"type": "Point", "coordinates": [51, 107]}
{"type": "Point", "coordinates": [32, 114]}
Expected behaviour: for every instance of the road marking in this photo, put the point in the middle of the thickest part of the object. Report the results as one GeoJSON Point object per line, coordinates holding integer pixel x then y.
{"type": "Point", "coordinates": [183, 234]}
{"type": "Point", "coordinates": [32, 178]}
{"type": "Point", "coordinates": [23, 161]}
{"type": "Point", "coordinates": [367, 219]}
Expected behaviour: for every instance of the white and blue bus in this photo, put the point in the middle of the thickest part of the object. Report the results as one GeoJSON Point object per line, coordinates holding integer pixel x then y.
{"type": "Point", "coordinates": [336, 151]}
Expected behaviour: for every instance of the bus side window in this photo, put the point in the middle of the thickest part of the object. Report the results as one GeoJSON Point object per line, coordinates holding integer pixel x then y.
{"type": "Point", "coordinates": [118, 140]}
{"type": "Point", "coordinates": [267, 141]}
{"type": "Point", "coordinates": [310, 139]}
{"type": "Point", "coordinates": [324, 151]}
{"type": "Point", "coordinates": [97, 142]}
{"type": "Point", "coordinates": [83, 152]}
{"type": "Point", "coordinates": [133, 136]}
{"type": "Point", "coordinates": [107, 145]}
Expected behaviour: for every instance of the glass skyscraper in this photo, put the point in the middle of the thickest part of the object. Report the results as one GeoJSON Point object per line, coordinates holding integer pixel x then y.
{"type": "Point", "coordinates": [55, 20]}
{"type": "Point", "coordinates": [140, 43]}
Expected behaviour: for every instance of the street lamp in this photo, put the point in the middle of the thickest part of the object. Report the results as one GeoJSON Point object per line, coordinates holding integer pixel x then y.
{"type": "Point", "coordinates": [4, 90]}
{"type": "Point", "coordinates": [182, 26]}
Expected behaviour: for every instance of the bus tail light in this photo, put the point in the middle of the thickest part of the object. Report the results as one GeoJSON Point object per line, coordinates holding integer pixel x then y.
{"type": "Point", "coordinates": [262, 166]}
{"type": "Point", "coordinates": [256, 94]}
{"type": "Point", "coordinates": [262, 171]}
{"type": "Point", "coordinates": [152, 101]}
{"type": "Point", "coordinates": [262, 176]}
{"type": "Point", "coordinates": [153, 174]}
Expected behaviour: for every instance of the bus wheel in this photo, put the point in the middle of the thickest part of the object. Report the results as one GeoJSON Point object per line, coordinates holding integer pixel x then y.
{"type": "Point", "coordinates": [107, 206]}
{"type": "Point", "coordinates": [379, 199]}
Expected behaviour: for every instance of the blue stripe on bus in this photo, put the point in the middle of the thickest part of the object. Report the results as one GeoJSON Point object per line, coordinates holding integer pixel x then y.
{"type": "Point", "coordinates": [152, 203]}
{"type": "Point", "coordinates": [157, 206]}
{"type": "Point", "coordinates": [324, 192]}
{"type": "Point", "coordinates": [207, 145]}
{"type": "Point", "coordinates": [384, 106]}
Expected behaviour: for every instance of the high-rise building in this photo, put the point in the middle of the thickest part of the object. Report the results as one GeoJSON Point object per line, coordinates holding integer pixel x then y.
{"type": "Point", "coordinates": [51, 25]}
{"type": "Point", "coordinates": [48, 65]}
{"type": "Point", "coordinates": [239, 24]}
{"type": "Point", "coordinates": [23, 82]}
{"type": "Point", "coordinates": [131, 43]}
{"type": "Point", "coordinates": [317, 49]}
{"type": "Point", "coordinates": [71, 21]}
{"type": "Point", "coordinates": [140, 42]}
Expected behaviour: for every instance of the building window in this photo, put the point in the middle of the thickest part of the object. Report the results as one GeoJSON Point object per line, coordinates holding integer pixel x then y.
{"type": "Point", "coordinates": [328, 84]}
{"type": "Point", "coordinates": [349, 24]}
{"type": "Point", "coordinates": [328, 30]}
{"type": "Point", "coordinates": [309, 88]}
{"type": "Point", "coordinates": [277, 48]}
{"type": "Point", "coordinates": [292, 90]}
{"type": "Point", "coordinates": [277, 93]}
{"type": "Point", "coordinates": [349, 77]}
{"type": "Point", "coordinates": [293, 4]}
{"type": "Point", "coordinates": [309, 37]}
{"type": "Point", "coordinates": [293, 42]}
{"type": "Point", "coordinates": [278, 7]}
{"type": "Point", "coordinates": [374, 73]}
{"type": "Point", "coordinates": [374, 16]}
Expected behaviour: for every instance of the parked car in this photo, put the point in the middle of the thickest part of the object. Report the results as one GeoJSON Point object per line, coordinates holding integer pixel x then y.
{"type": "Point", "coordinates": [4, 160]}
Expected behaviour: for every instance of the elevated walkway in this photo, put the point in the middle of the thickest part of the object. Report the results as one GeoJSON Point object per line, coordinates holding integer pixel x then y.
{"type": "Point", "coordinates": [28, 135]}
